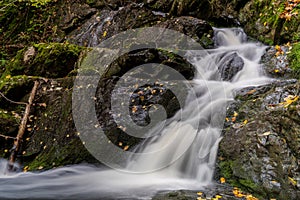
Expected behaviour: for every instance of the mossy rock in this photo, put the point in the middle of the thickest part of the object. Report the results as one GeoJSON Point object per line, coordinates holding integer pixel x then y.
{"type": "Point", "coordinates": [294, 60]}
{"type": "Point", "coordinates": [265, 21]}
{"type": "Point", "coordinates": [51, 60]}
{"type": "Point", "coordinates": [261, 155]}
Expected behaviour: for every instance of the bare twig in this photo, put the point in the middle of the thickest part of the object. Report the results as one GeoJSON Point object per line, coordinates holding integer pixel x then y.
{"type": "Point", "coordinates": [11, 101]}
{"type": "Point", "coordinates": [18, 140]}
{"type": "Point", "coordinates": [7, 137]}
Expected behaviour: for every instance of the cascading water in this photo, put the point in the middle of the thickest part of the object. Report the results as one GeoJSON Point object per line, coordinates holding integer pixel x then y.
{"type": "Point", "coordinates": [192, 168]}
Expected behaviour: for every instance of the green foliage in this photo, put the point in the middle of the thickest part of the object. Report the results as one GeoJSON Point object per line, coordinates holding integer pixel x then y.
{"type": "Point", "coordinates": [36, 3]}
{"type": "Point", "coordinates": [294, 59]}
{"type": "Point", "coordinates": [26, 21]}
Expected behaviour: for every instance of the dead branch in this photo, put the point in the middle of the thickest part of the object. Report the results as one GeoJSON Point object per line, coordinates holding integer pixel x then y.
{"type": "Point", "coordinates": [7, 137]}
{"type": "Point", "coordinates": [18, 140]}
{"type": "Point", "coordinates": [11, 101]}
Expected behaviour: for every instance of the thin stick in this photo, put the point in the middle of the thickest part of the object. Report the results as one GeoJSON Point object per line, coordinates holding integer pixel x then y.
{"type": "Point", "coordinates": [18, 140]}
{"type": "Point", "coordinates": [11, 101]}
{"type": "Point", "coordinates": [7, 137]}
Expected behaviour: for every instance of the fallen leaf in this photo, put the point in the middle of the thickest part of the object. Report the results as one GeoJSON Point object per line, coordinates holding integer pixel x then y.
{"type": "Point", "coordinates": [292, 181]}
{"type": "Point", "coordinates": [235, 114]}
{"type": "Point", "coordinates": [222, 180]}
{"type": "Point", "coordinates": [289, 100]}
{"type": "Point", "coordinates": [250, 197]}
{"type": "Point", "coordinates": [134, 109]}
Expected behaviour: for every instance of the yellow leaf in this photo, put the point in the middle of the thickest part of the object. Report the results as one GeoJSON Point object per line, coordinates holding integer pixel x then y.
{"type": "Point", "coordinates": [126, 148]}
{"type": "Point", "coordinates": [276, 70]}
{"type": "Point", "coordinates": [104, 33]}
{"type": "Point", "coordinates": [265, 24]}
{"type": "Point", "coordinates": [222, 180]}
{"type": "Point", "coordinates": [289, 100]}
{"type": "Point", "coordinates": [235, 114]}
{"type": "Point", "coordinates": [218, 196]}
{"type": "Point", "coordinates": [288, 16]}
{"type": "Point", "coordinates": [199, 193]}
{"type": "Point", "coordinates": [245, 121]}
{"type": "Point", "coordinates": [8, 76]}
{"type": "Point", "coordinates": [277, 47]}
{"type": "Point", "coordinates": [292, 181]}
{"type": "Point", "coordinates": [250, 197]}
{"type": "Point", "coordinates": [25, 169]}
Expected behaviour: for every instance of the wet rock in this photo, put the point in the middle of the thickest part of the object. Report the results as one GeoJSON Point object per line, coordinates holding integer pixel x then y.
{"type": "Point", "coordinates": [143, 98]}
{"type": "Point", "coordinates": [72, 14]}
{"type": "Point", "coordinates": [109, 23]}
{"type": "Point", "coordinates": [261, 155]}
{"type": "Point", "coordinates": [50, 142]}
{"type": "Point", "coordinates": [217, 191]}
{"type": "Point", "coordinates": [112, 4]}
{"type": "Point", "coordinates": [230, 65]}
{"type": "Point", "coordinates": [197, 29]}
{"type": "Point", "coordinates": [275, 63]}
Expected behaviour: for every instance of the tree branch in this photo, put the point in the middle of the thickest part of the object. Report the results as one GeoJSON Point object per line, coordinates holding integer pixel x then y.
{"type": "Point", "coordinates": [11, 101]}
{"type": "Point", "coordinates": [18, 140]}
{"type": "Point", "coordinates": [7, 137]}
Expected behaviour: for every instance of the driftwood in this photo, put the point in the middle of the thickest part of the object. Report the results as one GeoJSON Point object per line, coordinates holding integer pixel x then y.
{"type": "Point", "coordinates": [22, 127]}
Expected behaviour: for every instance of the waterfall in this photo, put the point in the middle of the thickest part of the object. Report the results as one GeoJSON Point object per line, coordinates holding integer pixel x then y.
{"type": "Point", "coordinates": [176, 167]}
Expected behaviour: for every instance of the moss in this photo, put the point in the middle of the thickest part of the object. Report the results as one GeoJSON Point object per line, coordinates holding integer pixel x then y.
{"type": "Point", "coordinates": [51, 60]}
{"type": "Point", "coordinates": [27, 21]}
{"type": "Point", "coordinates": [294, 59]}
{"type": "Point", "coordinates": [264, 20]}
{"type": "Point", "coordinates": [226, 170]}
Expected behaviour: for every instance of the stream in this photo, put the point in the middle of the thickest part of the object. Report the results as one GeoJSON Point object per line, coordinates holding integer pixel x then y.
{"type": "Point", "coordinates": [190, 168]}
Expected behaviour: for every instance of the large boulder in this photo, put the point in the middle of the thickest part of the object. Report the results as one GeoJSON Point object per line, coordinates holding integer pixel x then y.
{"type": "Point", "coordinates": [260, 147]}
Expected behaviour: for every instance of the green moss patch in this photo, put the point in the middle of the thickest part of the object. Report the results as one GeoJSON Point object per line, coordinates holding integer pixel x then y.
{"type": "Point", "coordinates": [51, 60]}
{"type": "Point", "coordinates": [294, 59]}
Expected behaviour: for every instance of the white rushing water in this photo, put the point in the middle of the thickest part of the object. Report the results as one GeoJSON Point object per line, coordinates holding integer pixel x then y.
{"type": "Point", "coordinates": [192, 168]}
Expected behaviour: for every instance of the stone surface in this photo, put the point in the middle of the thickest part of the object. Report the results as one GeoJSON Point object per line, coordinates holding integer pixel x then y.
{"type": "Point", "coordinates": [261, 155]}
